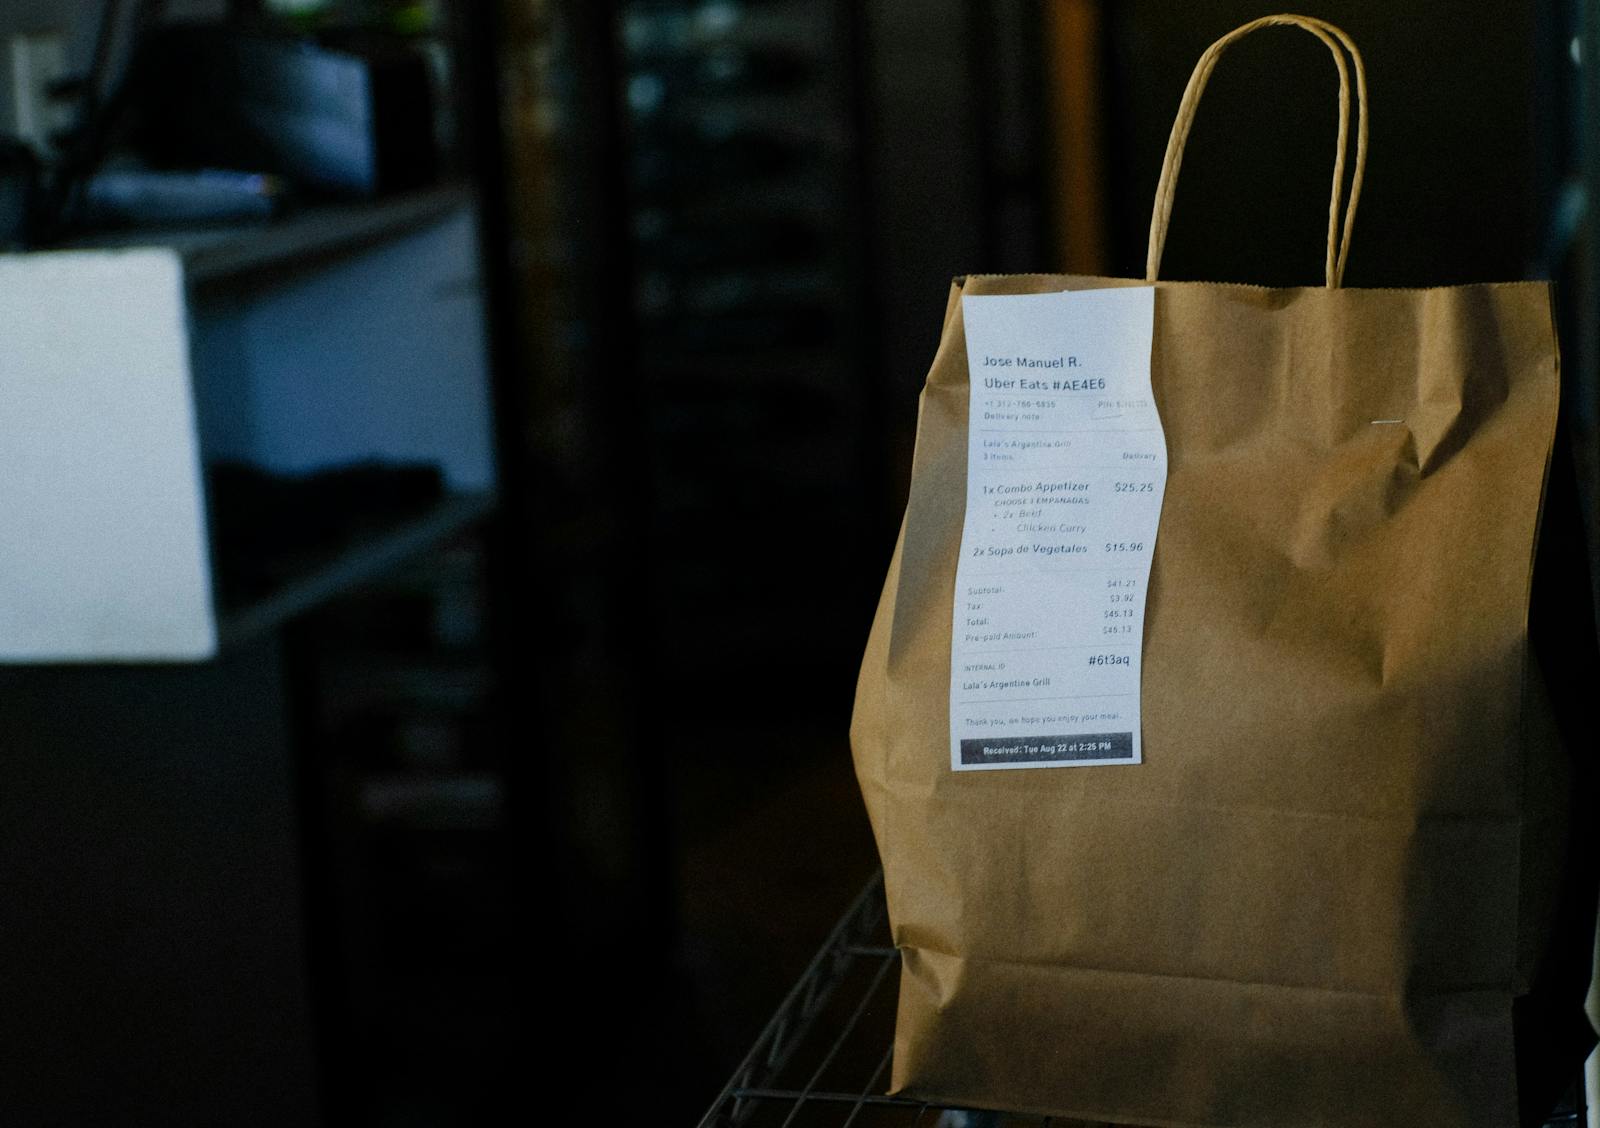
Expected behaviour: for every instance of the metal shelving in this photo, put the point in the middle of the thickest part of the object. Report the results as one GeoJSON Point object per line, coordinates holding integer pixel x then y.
{"type": "Point", "coordinates": [823, 1059]}
{"type": "Point", "coordinates": [344, 567]}
{"type": "Point", "coordinates": [219, 255]}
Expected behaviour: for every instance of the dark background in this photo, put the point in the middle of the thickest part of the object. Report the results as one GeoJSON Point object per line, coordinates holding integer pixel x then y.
{"type": "Point", "coordinates": [711, 301]}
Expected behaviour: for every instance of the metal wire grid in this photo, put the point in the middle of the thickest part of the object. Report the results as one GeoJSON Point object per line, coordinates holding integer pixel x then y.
{"type": "Point", "coordinates": [823, 1059]}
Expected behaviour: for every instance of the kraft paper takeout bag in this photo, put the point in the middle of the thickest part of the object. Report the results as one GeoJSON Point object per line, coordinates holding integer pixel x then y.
{"type": "Point", "coordinates": [1344, 886]}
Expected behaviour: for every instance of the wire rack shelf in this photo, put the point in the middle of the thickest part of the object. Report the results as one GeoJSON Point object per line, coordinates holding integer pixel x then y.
{"type": "Point", "coordinates": [822, 1061]}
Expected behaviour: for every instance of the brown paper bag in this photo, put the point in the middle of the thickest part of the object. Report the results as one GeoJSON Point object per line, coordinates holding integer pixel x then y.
{"type": "Point", "coordinates": [1343, 887]}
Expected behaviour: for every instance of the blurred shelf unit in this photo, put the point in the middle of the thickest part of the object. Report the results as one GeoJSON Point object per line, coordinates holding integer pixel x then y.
{"type": "Point", "coordinates": [206, 433]}
{"type": "Point", "coordinates": [746, 214]}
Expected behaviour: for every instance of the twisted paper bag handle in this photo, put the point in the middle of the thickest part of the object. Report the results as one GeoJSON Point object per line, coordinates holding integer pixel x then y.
{"type": "Point", "coordinates": [1338, 245]}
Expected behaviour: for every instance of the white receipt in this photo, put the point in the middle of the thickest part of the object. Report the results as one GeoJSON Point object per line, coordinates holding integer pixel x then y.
{"type": "Point", "coordinates": [1066, 469]}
